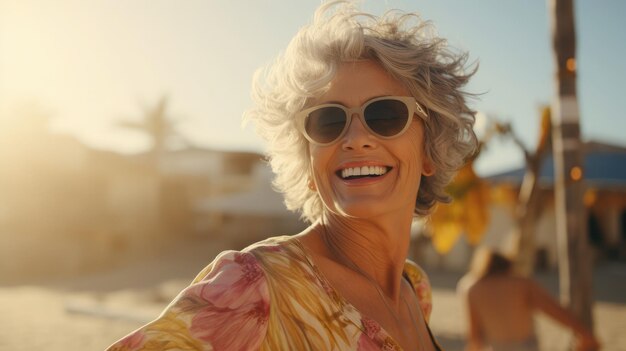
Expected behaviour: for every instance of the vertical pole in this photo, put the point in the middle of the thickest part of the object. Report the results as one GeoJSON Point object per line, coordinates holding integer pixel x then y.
{"type": "Point", "coordinates": [574, 258]}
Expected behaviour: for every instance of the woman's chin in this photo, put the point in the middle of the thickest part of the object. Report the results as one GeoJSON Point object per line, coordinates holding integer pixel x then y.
{"type": "Point", "coordinates": [362, 210]}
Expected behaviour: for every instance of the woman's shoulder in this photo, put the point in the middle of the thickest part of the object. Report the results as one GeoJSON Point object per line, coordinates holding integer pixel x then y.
{"type": "Point", "coordinates": [417, 276]}
{"type": "Point", "coordinates": [258, 258]}
{"type": "Point", "coordinates": [227, 299]}
{"type": "Point", "coordinates": [414, 271]}
{"type": "Point", "coordinates": [421, 284]}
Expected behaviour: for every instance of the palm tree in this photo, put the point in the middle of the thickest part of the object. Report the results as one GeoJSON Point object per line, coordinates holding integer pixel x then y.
{"type": "Point", "coordinates": [158, 125]}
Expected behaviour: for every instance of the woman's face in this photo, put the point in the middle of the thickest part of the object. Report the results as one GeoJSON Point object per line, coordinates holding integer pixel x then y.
{"type": "Point", "coordinates": [402, 157]}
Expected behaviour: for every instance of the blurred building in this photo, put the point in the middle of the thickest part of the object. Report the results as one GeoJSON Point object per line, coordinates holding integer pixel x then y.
{"type": "Point", "coordinates": [192, 174]}
{"type": "Point", "coordinates": [248, 216]}
{"type": "Point", "coordinates": [605, 199]}
{"type": "Point", "coordinates": [226, 196]}
{"type": "Point", "coordinates": [68, 209]}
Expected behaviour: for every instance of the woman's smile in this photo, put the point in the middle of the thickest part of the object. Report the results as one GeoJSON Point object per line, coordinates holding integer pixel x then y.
{"type": "Point", "coordinates": [362, 173]}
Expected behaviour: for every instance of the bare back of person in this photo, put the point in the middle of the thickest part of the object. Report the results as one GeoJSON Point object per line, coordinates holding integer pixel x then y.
{"type": "Point", "coordinates": [501, 307]}
{"type": "Point", "coordinates": [504, 307]}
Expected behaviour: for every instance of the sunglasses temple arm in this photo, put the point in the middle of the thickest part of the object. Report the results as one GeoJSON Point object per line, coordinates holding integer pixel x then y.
{"type": "Point", "coordinates": [420, 109]}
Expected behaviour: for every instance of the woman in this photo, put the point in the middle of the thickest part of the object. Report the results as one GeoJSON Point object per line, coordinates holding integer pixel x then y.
{"type": "Point", "coordinates": [500, 307]}
{"type": "Point", "coordinates": [366, 124]}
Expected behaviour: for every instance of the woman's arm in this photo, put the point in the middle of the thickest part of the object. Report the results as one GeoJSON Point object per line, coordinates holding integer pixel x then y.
{"type": "Point", "coordinates": [225, 308]}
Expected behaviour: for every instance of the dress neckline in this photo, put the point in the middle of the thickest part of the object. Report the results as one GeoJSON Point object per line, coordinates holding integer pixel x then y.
{"type": "Point", "coordinates": [357, 316]}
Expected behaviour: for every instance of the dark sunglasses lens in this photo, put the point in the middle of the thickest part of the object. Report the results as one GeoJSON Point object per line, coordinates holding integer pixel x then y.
{"type": "Point", "coordinates": [386, 117]}
{"type": "Point", "coordinates": [325, 124]}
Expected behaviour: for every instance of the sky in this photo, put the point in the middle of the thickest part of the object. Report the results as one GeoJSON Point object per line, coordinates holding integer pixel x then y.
{"type": "Point", "coordinates": [92, 64]}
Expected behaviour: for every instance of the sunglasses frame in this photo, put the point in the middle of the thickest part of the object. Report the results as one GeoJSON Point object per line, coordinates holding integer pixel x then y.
{"type": "Point", "coordinates": [412, 106]}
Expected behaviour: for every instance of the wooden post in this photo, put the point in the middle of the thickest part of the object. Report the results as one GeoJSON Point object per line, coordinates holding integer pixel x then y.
{"type": "Point", "coordinates": [571, 217]}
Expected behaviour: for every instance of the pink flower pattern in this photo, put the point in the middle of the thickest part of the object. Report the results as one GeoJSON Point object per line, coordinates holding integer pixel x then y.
{"type": "Point", "coordinates": [236, 303]}
{"type": "Point", "coordinates": [372, 328]}
{"type": "Point", "coordinates": [367, 344]}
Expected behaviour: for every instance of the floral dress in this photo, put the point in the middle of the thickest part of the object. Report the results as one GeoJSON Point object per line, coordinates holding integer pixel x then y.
{"type": "Point", "coordinates": [269, 296]}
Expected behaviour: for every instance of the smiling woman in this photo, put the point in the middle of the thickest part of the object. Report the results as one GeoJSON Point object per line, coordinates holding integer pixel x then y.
{"type": "Point", "coordinates": [366, 123]}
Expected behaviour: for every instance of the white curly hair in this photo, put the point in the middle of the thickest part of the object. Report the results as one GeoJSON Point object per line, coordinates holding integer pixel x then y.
{"type": "Point", "coordinates": [403, 45]}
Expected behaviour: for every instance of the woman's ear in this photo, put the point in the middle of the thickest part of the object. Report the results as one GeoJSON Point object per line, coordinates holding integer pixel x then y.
{"type": "Point", "coordinates": [311, 185]}
{"type": "Point", "coordinates": [428, 168]}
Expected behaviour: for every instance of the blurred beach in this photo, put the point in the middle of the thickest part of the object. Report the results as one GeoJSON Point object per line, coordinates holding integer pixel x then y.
{"type": "Point", "coordinates": [92, 311]}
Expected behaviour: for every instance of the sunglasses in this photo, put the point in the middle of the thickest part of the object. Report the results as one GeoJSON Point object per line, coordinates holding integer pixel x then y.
{"type": "Point", "coordinates": [386, 117]}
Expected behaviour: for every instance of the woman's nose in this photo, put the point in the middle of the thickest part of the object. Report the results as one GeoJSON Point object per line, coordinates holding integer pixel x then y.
{"type": "Point", "coordinates": [357, 136]}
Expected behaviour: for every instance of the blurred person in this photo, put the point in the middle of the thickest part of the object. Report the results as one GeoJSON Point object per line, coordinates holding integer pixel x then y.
{"type": "Point", "coordinates": [367, 123]}
{"type": "Point", "coordinates": [500, 306]}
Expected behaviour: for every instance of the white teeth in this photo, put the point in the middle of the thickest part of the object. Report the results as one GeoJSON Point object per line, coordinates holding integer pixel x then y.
{"type": "Point", "coordinates": [363, 171]}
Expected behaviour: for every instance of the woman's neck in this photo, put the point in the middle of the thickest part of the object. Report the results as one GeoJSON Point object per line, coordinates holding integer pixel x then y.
{"type": "Point", "coordinates": [376, 249]}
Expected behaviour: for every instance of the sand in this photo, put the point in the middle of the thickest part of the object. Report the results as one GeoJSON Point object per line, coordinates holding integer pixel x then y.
{"type": "Point", "coordinates": [92, 311]}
